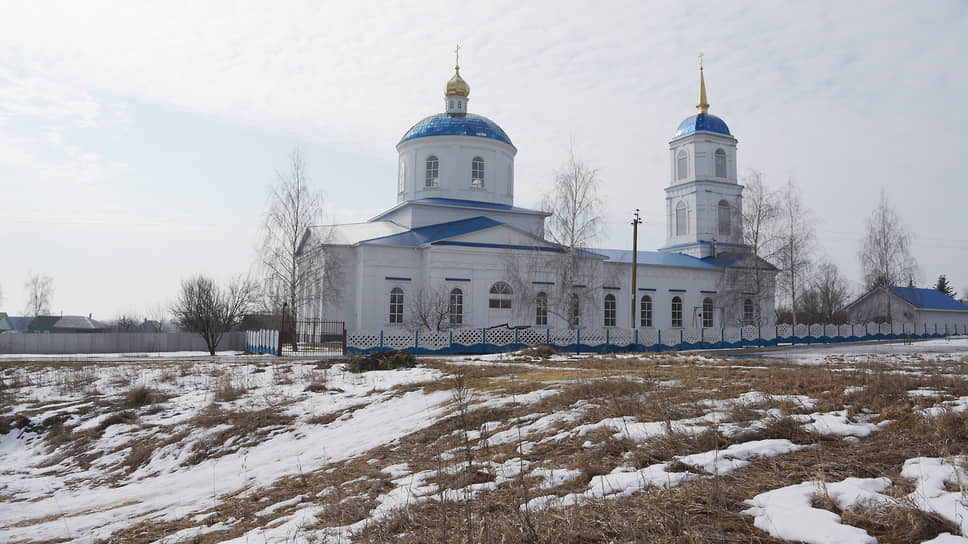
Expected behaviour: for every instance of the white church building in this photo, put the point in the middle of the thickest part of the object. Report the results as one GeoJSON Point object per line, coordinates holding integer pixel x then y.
{"type": "Point", "coordinates": [456, 252]}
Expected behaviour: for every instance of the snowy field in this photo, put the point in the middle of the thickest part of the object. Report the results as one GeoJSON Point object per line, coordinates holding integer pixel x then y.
{"type": "Point", "coordinates": [820, 444]}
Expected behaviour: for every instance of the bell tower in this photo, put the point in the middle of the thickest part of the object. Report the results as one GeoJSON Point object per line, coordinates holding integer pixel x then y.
{"type": "Point", "coordinates": [704, 201]}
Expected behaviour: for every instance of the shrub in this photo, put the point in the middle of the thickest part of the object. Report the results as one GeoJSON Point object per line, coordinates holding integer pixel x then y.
{"type": "Point", "coordinates": [540, 352]}
{"type": "Point", "coordinates": [141, 395]}
{"type": "Point", "coordinates": [226, 391]}
{"type": "Point", "coordinates": [386, 360]}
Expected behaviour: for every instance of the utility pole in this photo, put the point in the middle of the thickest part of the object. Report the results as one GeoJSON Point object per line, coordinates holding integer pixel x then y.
{"type": "Point", "coordinates": [635, 261]}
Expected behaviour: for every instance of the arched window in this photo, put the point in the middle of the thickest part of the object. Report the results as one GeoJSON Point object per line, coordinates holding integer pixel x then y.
{"type": "Point", "coordinates": [455, 309]}
{"type": "Point", "coordinates": [609, 310]}
{"type": "Point", "coordinates": [396, 305]}
{"type": "Point", "coordinates": [500, 296]}
{"type": "Point", "coordinates": [724, 225]}
{"type": "Point", "coordinates": [433, 172]}
{"type": "Point", "coordinates": [720, 163]}
{"type": "Point", "coordinates": [645, 311]}
{"type": "Point", "coordinates": [747, 312]}
{"type": "Point", "coordinates": [682, 219]}
{"type": "Point", "coordinates": [541, 309]}
{"type": "Point", "coordinates": [676, 312]}
{"type": "Point", "coordinates": [574, 311]}
{"type": "Point", "coordinates": [707, 312]}
{"type": "Point", "coordinates": [477, 172]}
{"type": "Point", "coordinates": [682, 165]}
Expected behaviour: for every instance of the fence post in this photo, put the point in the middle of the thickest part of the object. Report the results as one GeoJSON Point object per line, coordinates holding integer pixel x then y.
{"type": "Point", "coordinates": [702, 335]}
{"type": "Point", "coordinates": [483, 335]}
{"type": "Point", "coordinates": [759, 334]}
{"type": "Point", "coordinates": [515, 337]}
{"type": "Point", "coordinates": [606, 338]}
{"type": "Point", "coordinates": [722, 337]}
{"type": "Point", "coordinates": [680, 339]}
{"type": "Point", "coordinates": [636, 338]}
{"type": "Point", "coordinates": [548, 336]}
{"type": "Point", "coordinates": [659, 340]}
{"type": "Point", "coordinates": [344, 339]}
{"type": "Point", "coordinates": [381, 339]}
{"type": "Point", "coordinates": [416, 340]}
{"type": "Point", "coordinates": [578, 341]}
{"type": "Point", "coordinates": [451, 349]}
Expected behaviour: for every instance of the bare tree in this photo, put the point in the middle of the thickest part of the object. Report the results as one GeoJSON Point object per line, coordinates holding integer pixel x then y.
{"type": "Point", "coordinates": [127, 322]}
{"type": "Point", "coordinates": [748, 274]}
{"type": "Point", "coordinates": [40, 290]}
{"type": "Point", "coordinates": [206, 308]}
{"type": "Point", "coordinates": [429, 309]}
{"type": "Point", "coordinates": [569, 276]}
{"type": "Point", "coordinates": [794, 244]}
{"type": "Point", "coordinates": [826, 295]}
{"type": "Point", "coordinates": [292, 208]}
{"type": "Point", "coordinates": [885, 255]}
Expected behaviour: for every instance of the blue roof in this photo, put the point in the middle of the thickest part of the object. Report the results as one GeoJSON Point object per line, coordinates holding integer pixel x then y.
{"type": "Point", "coordinates": [702, 121]}
{"type": "Point", "coordinates": [657, 258]}
{"type": "Point", "coordinates": [928, 299]}
{"type": "Point", "coordinates": [444, 124]}
{"type": "Point", "coordinates": [432, 233]}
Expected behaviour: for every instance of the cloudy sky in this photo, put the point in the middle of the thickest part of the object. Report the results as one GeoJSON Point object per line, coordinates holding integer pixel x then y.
{"type": "Point", "coordinates": [137, 140]}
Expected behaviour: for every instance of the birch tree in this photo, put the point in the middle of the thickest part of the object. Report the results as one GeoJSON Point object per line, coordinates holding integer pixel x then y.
{"type": "Point", "coordinates": [885, 251]}
{"type": "Point", "coordinates": [292, 208]}
{"type": "Point", "coordinates": [794, 244]}
{"type": "Point", "coordinates": [574, 223]}
{"type": "Point", "coordinates": [750, 274]}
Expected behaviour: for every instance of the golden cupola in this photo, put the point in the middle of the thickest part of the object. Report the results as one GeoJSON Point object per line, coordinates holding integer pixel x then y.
{"type": "Point", "coordinates": [457, 87]}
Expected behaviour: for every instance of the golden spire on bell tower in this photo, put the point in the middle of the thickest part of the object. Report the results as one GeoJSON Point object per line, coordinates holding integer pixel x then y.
{"type": "Point", "coordinates": [703, 105]}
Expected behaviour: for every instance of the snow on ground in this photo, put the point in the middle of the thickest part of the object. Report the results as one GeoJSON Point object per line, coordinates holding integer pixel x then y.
{"type": "Point", "coordinates": [789, 513]}
{"type": "Point", "coordinates": [82, 510]}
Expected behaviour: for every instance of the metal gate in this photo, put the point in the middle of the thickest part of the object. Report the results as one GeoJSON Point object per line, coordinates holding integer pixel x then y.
{"type": "Point", "coordinates": [313, 337]}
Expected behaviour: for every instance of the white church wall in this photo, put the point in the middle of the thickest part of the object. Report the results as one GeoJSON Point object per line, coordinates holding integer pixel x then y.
{"type": "Point", "coordinates": [454, 155]}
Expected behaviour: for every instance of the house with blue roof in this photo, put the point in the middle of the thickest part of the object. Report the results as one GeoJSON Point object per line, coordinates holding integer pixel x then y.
{"type": "Point", "coordinates": [908, 305]}
{"type": "Point", "coordinates": [456, 252]}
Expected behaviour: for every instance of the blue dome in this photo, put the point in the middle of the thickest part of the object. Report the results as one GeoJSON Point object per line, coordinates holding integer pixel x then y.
{"type": "Point", "coordinates": [469, 124]}
{"type": "Point", "coordinates": [702, 121]}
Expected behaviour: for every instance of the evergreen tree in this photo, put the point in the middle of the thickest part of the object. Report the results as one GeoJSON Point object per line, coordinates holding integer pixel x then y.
{"type": "Point", "coordinates": [944, 286]}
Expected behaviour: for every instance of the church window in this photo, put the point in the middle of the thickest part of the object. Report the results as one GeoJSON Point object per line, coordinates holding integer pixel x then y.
{"type": "Point", "coordinates": [396, 305]}
{"type": "Point", "coordinates": [574, 310]}
{"type": "Point", "coordinates": [720, 163]}
{"type": "Point", "coordinates": [724, 225]}
{"type": "Point", "coordinates": [676, 312]}
{"type": "Point", "coordinates": [747, 312]}
{"type": "Point", "coordinates": [456, 308]}
{"type": "Point", "coordinates": [645, 311]}
{"type": "Point", "coordinates": [541, 309]}
{"type": "Point", "coordinates": [500, 296]}
{"type": "Point", "coordinates": [682, 217]}
{"type": "Point", "coordinates": [477, 173]}
{"type": "Point", "coordinates": [609, 310]}
{"type": "Point", "coordinates": [433, 172]}
{"type": "Point", "coordinates": [682, 165]}
{"type": "Point", "coordinates": [707, 312]}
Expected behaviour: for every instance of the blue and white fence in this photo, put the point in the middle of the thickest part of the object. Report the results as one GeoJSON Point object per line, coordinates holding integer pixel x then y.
{"type": "Point", "coordinates": [496, 340]}
{"type": "Point", "coordinates": [263, 342]}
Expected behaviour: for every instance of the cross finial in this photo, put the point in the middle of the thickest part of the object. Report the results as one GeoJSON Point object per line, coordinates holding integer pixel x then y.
{"type": "Point", "coordinates": [700, 60]}
{"type": "Point", "coordinates": [457, 56]}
